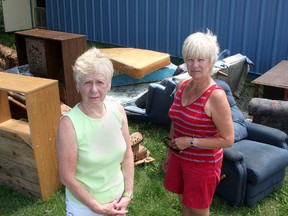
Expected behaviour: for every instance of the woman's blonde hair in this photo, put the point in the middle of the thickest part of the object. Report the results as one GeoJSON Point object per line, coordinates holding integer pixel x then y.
{"type": "Point", "coordinates": [201, 45]}
{"type": "Point", "coordinates": [93, 61]}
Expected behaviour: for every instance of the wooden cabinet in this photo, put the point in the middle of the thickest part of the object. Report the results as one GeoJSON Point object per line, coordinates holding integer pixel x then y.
{"type": "Point", "coordinates": [51, 54]}
{"type": "Point", "coordinates": [28, 157]}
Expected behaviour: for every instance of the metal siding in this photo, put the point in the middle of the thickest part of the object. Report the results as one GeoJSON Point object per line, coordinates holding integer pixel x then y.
{"type": "Point", "coordinates": [255, 28]}
{"type": "Point", "coordinates": [175, 27]}
{"type": "Point", "coordinates": [142, 25]}
{"type": "Point", "coordinates": [97, 23]}
{"type": "Point", "coordinates": [68, 17]}
{"type": "Point", "coordinates": [88, 8]}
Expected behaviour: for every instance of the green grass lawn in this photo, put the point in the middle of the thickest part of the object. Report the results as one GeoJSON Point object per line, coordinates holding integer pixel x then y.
{"type": "Point", "coordinates": [150, 196]}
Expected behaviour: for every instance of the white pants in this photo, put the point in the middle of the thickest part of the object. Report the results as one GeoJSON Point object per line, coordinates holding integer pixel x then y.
{"type": "Point", "coordinates": [74, 209]}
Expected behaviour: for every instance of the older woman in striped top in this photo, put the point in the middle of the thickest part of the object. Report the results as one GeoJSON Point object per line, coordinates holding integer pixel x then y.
{"type": "Point", "coordinates": [201, 127]}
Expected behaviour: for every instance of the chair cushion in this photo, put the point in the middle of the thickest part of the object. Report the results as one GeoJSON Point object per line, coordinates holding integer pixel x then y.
{"type": "Point", "coordinates": [262, 160]}
{"type": "Point", "coordinates": [240, 131]}
{"type": "Point", "coordinates": [256, 192]}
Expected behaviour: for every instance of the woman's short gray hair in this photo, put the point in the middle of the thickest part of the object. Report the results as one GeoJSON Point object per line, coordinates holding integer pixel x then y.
{"type": "Point", "coordinates": [201, 45]}
{"type": "Point", "coordinates": [93, 61]}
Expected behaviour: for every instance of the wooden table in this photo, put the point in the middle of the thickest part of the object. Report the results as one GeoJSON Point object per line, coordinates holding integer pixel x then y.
{"type": "Point", "coordinates": [274, 82]}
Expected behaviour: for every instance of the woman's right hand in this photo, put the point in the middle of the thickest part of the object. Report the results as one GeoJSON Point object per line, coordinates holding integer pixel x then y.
{"type": "Point", "coordinates": [111, 209]}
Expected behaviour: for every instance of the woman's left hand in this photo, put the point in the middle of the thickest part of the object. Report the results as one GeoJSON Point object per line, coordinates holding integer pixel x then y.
{"type": "Point", "coordinates": [180, 143]}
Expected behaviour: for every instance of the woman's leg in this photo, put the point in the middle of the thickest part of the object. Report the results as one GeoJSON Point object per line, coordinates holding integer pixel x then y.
{"type": "Point", "coordinates": [200, 182]}
{"type": "Point", "coordinates": [186, 211]}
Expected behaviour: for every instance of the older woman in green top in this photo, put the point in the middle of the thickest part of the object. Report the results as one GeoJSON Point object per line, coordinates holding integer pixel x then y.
{"type": "Point", "coordinates": [94, 151]}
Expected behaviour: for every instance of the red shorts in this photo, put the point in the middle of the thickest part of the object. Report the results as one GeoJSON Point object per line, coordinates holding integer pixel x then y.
{"type": "Point", "coordinates": [195, 182]}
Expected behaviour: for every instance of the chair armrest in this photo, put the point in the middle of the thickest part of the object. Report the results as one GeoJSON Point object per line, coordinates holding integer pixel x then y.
{"type": "Point", "coordinates": [136, 113]}
{"type": "Point", "coordinates": [151, 94]}
{"type": "Point", "coordinates": [135, 109]}
{"type": "Point", "coordinates": [266, 134]}
{"type": "Point", "coordinates": [232, 155]}
{"type": "Point", "coordinates": [158, 104]}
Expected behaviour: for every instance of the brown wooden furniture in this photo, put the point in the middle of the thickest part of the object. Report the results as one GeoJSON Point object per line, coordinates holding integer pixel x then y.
{"type": "Point", "coordinates": [28, 148]}
{"type": "Point", "coordinates": [274, 82]}
{"type": "Point", "coordinates": [60, 49]}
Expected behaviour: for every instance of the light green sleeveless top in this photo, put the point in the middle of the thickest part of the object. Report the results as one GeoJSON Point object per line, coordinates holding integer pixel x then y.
{"type": "Point", "coordinates": [101, 147]}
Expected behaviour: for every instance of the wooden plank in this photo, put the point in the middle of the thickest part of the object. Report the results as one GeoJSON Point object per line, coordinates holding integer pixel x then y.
{"type": "Point", "coordinates": [18, 170]}
{"type": "Point", "coordinates": [16, 130]}
{"type": "Point", "coordinates": [48, 34]}
{"type": "Point", "coordinates": [17, 151]}
{"type": "Point", "coordinates": [20, 85]}
{"type": "Point", "coordinates": [5, 113]}
{"type": "Point", "coordinates": [43, 106]}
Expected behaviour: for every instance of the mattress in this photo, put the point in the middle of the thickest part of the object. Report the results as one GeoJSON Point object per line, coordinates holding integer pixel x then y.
{"type": "Point", "coordinates": [136, 62]}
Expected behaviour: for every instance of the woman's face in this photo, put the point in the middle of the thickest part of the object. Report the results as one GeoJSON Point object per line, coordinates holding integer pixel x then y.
{"type": "Point", "coordinates": [199, 67]}
{"type": "Point", "coordinates": [93, 88]}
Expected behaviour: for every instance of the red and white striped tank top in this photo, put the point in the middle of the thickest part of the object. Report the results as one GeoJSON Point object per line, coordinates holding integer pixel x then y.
{"type": "Point", "coordinates": [191, 120]}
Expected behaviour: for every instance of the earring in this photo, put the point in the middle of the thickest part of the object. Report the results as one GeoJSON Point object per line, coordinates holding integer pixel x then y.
{"type": "Point", "coordinates": [78, 91]}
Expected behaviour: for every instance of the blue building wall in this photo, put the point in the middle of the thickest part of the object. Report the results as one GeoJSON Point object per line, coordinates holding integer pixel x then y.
{"type": "Point", "coordinates": [255, 28]}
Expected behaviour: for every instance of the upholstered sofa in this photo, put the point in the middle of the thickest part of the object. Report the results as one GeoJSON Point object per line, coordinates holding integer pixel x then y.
{"type": "Point", "coordinates": [272, 113]}
{"type": "Point", "coordinates": [256, 164]}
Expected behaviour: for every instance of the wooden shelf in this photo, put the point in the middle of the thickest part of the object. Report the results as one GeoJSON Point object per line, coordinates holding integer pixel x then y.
{"type": "Point", "coordinates": [59, 52]}
{"type": "Point", "coordinates": [20, 128]}
{"type": "Point", "coordinates": [28, 149]}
